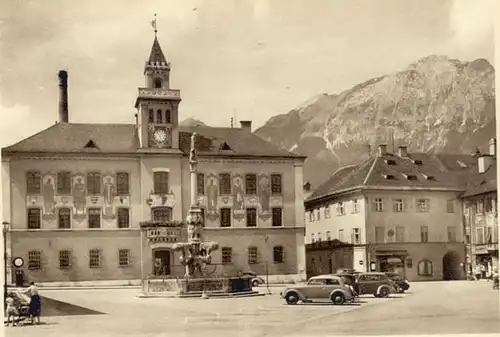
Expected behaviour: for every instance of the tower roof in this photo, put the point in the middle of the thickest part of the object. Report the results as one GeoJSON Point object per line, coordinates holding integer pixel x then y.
{"type": "Point", "coordinates": [156, 54]}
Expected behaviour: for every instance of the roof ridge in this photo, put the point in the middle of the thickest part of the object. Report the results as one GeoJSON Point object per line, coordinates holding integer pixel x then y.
{"type": "Point", "coordinates": [370, 171]}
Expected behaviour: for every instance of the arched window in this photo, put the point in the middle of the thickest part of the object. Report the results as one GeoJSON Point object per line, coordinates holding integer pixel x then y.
{"type": "Point", "coordinates": [167, 116]}
{"type": "Point", "coordinates": [425, 268]}
{"type": "Point", "coordinates": [151, 116]}
{"type": "Point", "coordinates": [162, 214]}
{"type": "Point", "coordinates": [157, 83]}
{"type": "Point", "coordinates": [159, 116]}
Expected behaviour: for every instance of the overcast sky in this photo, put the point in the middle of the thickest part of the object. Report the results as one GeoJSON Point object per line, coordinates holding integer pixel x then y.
{"type": "Point", "coordinates": [249, 58]}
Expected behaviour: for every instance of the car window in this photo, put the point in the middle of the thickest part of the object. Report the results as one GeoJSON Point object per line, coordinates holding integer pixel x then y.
{"type": "Point", "coordinates": [363, 277]}
{"type": "Point", "coordinates": [331, 281]}
{"type": "Point", "coordinates": [317, 281]}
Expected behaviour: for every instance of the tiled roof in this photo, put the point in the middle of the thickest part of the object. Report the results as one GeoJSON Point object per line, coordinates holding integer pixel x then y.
{"type": "Point", "coordinates": [482, 183]}
{"type": "Point", "coordinates": [417, 170]}
{"type": "Point", "coordinates": [236, 141]}
{"type": "Point", "coordinates": [72, 137]}
{"type": "Point", "coordinates": [122, 138]}
{"type": "Point", "coordinates": [156, 54]}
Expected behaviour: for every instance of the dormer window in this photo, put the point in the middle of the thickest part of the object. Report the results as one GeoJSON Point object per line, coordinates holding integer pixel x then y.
{"type": "Point", "coordinates": [225, 147]}
{"type": "Point", "coordinates": [417, 161]}
{"type": "Point", "coordinates": [91, 145]}
{"type": "Point", "coordinates": [411, 177]}
{"type": "Point", "coordinates": [157, 83]}
{"type": "Point", "coordinates": [429, 177]}
{"type": "Point", "coordinates": [390, 162]}
{"type": "Point", "coordinates": [389, 176]}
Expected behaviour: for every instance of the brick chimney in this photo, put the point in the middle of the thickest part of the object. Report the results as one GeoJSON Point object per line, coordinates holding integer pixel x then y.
{"type": "Point", "coordinates": [246, 125]}
{"type": "Point", "coordinates": [493, 147]}
{"type": "Point", "coordinates": [382, 150]}
{"type": "Point", "coordinates": [402, 151]}
{"type": "Point", "coordinates": [63, 96]}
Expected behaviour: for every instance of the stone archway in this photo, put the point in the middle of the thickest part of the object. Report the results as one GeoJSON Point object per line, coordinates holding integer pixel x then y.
{"type": "Point", "coordinates": [162, 262]}
{"type": "Point", "coordinates": [451, 266]}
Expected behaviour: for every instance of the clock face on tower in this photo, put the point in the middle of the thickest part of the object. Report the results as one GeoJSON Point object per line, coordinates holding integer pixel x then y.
{"type": "Point", "coordinates": [160, 136]}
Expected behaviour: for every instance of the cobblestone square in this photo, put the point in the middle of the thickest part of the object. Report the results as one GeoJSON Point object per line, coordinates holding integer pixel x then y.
{"type": "Point", "coordinates": [428, 308]}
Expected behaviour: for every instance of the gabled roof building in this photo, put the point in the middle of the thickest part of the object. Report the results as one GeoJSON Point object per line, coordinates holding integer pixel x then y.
{"type": "Point", "coordinates": [401, 212]}
{"type": "Point", "coordinates": [481, 215]}
{"type": "Point", "coordinates": [75, 194]}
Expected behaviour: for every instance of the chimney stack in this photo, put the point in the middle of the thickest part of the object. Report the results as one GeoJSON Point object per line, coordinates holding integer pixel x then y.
{"type": "Point", "coordinates": [63, 96]}
{"type": "Point", "coordinates": [403, 151]}
{"type": "Point", "coordinates": [382, 150]}
{"type": "Point", "coordinates": [493, 147]}
{"type": "Point", "coordinates": [246, 125]}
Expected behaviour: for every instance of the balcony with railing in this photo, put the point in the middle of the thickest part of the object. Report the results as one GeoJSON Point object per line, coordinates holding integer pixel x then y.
{"type": "Point", "coordinates": [156, 93]}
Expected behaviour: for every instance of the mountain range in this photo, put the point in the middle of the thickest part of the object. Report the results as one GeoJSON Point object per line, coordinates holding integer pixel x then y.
{"type": "Point", "coordinates": [437, 104]}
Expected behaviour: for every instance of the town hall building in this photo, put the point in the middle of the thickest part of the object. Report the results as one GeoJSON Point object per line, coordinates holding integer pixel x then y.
{"type": "Point", "coordinates": [75, 195]}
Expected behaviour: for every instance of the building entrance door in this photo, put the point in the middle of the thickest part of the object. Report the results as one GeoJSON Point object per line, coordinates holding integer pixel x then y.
{"type": "Point", "coordinates": [161, 266]}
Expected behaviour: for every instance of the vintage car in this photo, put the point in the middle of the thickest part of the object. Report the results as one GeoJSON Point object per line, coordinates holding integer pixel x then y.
{"type": "Point", "coordinates": [378, 284]}
{"type": "Point", "coordinates": [256, 280]}
{"type": "Point", "coordinates": [402, 285]}
{"type": "Point", "coordinates": [320, 288]}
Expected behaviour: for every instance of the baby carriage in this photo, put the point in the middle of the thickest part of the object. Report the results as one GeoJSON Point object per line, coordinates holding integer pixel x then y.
{"type": "Point", "coordinates": [22, 304]}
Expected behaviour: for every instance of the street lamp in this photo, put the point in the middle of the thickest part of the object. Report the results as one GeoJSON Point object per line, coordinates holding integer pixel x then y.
{"type": "Point", "coordinates": [5, 229]}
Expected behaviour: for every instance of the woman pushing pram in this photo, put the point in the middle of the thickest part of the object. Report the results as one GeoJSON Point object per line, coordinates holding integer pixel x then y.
{"type": "Point", "coordinates": [23, 304]}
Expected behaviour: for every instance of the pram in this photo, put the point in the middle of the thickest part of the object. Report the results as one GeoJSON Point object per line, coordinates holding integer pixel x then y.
{"type": "Point", "coordinates": [22, 304]}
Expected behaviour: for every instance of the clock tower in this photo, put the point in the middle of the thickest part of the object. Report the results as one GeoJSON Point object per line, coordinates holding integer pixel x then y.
{"type": "Point", "coordinates": [157, 104]}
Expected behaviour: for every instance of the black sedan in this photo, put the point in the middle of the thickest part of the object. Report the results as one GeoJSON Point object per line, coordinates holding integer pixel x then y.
{"type": "Point", "coordinates": [402, 284]}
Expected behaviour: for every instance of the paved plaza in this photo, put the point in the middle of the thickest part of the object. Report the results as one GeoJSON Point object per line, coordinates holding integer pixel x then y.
{"type": "Point", "coordinates": [429, 308]}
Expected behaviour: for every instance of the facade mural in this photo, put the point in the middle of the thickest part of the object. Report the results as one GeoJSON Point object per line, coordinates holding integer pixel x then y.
{"type": "Point", "coordinates": [49, 194]}
{"type": "Point", "coordinates": [79, 195]}
{"type": "Point", "coordinates": [238, 198]}
{"type": "Point", "coordinates": [264, 194]}
{"type": "Point", "coordinates": [212, 197]}
{"type": "Point", "coordinates": [109, 196]}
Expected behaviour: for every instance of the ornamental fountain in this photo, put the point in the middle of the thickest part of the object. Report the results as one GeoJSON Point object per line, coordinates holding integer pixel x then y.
{"type": "Point", "coordinates": [195, 254]}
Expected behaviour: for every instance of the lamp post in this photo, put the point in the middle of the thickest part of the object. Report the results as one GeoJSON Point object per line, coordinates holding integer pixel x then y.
{"type": "Point", "coordinates": [5, 227]}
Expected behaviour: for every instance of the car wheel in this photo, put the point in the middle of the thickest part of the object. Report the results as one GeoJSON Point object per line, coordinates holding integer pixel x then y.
{"type": "Point", "coordinates": [383, 292]}
{"type": "Point", "coordinates": [292, 298]}
{"type": "Point", "coordinates": [255, 283]}
{"type": "Point", "coordinates": [338, 298]}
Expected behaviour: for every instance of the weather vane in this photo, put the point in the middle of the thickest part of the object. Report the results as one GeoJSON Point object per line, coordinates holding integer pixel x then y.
{"type": "Point", "coordinates": [153, 24]}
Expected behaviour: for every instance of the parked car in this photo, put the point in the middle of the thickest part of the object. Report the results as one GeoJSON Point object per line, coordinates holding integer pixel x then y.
{"type": "Point", "coordinates": [378, 284]}
{"type": "Point", "coordinates": [320, 288]}
{"type": "Point", "coordinates": [256, 280]}
{"type": "Point", "coordinates": [402, 285]}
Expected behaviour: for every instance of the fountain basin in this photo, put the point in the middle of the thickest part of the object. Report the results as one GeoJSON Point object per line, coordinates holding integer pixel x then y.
{"type": "Point", "coordinates": [195, 287]}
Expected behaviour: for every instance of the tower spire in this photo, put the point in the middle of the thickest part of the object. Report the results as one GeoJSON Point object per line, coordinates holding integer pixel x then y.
{"type": "Point", "coordinates": [153, 24]}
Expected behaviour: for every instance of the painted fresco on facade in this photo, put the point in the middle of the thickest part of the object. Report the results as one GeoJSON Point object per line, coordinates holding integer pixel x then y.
{"type": "Point", "coordinates": [264, 192]}
{"type": "Point", "coordinates": [124, 200]}
{"type": "Point", "coordinates": [212, 197]}
{"type": "Point", "coordinates": [238, 198]}
{"type": "Point", "coordinates": [276, 201]}
{"type": "Point", "coordinates": [109, 192]}
{"type": "Point", "coordinates": [79, 195]}
{"type": "Point", "coordinates": [49, 194]}
{"type": "Point", "coordinates": [163, 200]}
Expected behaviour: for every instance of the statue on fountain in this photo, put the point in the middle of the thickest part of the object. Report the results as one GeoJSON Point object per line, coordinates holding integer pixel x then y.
{"type": "Point", "coordinates": [195, 254]}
